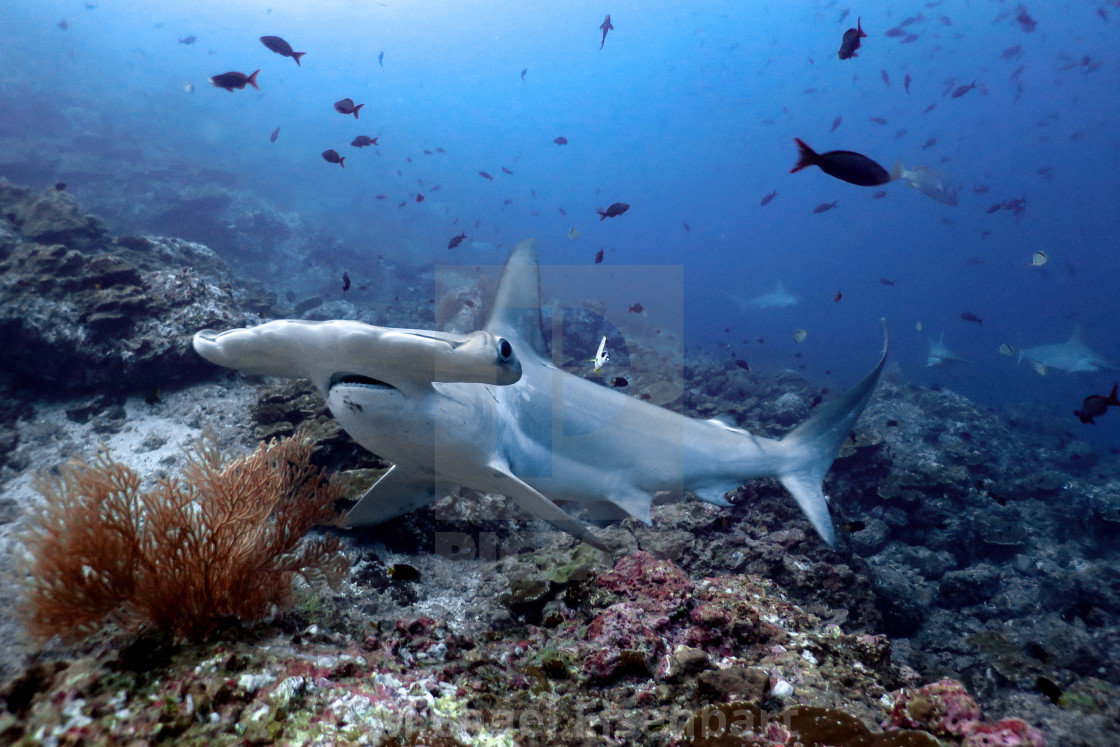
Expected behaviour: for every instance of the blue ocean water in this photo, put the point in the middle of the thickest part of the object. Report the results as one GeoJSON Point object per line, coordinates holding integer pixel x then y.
{"type": "Point", "coordinates": [688, 113]}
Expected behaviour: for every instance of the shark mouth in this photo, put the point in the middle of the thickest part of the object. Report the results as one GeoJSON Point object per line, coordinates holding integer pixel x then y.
{"type": "Point", "coordinates": [358, 380]}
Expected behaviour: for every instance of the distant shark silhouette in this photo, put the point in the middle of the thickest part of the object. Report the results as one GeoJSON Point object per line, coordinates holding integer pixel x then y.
{"type": "Point", "coordinates": [1071, 355]}
{"type": "Point", "coordinates": [490, 411]}
{"type": "Point", "coordinates": [776, 299]}
{"type": "Point", "coordinates": [940, 354]}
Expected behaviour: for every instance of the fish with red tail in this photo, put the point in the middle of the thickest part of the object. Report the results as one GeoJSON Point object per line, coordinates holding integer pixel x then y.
{"type": "Point", "coordinates": [331, 156]}
{"type": "Point", "coordinates": [347, 106]}
{"type": "Point", "coordinates": [844, 165]}
{"type": "Point", "coordinates": [235, 81]}
{"type": "Point", "coordinates": [613, 211]}
{"type": "Point", "coordinates": [850, 43]}
{"type": "Point", "coordinates": [605, 27]}
{"type": "Point", "coordinates": [281, 47]}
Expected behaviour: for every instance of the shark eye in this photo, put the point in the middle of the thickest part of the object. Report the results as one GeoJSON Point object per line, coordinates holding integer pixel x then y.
{"type": "Point", "coordinates": [505, 350]}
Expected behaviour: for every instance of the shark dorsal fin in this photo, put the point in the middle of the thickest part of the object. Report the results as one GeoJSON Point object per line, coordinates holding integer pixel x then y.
{"type": "Point", "coordinates": [517, 304]}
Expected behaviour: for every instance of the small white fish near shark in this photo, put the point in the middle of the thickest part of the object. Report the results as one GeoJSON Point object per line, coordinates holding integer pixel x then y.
{"type": "Point", "coordinates": [490, 411]}
{"type": "Point", "coordinates": [940, 354]}
{"type": "Point", "coordinates": [1072, 355]}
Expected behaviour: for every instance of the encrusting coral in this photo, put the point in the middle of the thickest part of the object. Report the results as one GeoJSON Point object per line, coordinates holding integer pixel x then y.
{"type": "Point", "coordinates": [224, 539]}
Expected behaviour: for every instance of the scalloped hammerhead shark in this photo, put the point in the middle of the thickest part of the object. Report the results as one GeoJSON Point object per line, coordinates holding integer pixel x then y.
{"type": "Point", "coordinates": [489, 411]}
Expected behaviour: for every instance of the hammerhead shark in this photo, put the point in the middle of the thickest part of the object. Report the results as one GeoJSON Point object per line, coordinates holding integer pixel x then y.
{"type": "Point", "coordinates": [489, 411]}
{"type": "Point", "coordinates": [1072, 355]}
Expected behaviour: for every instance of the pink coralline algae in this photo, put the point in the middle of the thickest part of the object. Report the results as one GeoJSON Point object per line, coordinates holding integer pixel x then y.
{"type": "Point", "coordinates": [1011, 732]}
{"type": "Point", "coordinates": [945, 708]}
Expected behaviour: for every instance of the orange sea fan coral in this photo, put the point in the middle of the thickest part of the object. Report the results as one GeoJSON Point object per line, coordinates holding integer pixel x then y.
{"type": "Point", "coordinates": [225, 538]}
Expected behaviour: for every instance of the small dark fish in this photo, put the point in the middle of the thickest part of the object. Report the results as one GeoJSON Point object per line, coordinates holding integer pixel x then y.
{"type": "Point", "coordinates": [64, 25]}
{"type": "Point", "coordinates": [484, 175]}
{"type": "Point", "coordinates": [906, 83]}
{"type": "Point", "coordinates": [885, 76]}
{"type": "Point", "coordinates": [275, 134]}
{"type": "Point", "coordinates": [440, 150]}
{"type": "Point", "coordinates": [1096, 405]}
{"type": "Point", "coordinates": [836, 123]}
{"type": "Point", "coordinates": [946, 20]}
{"type": "Point", "coordinates": [850, 43]}
{"type": "Point", "coordinates": [994, 208]}
{"type": "Point", "coordinates": [1016, 204]}
{"type": "Point", "coordinates": [837, 297]}
{"type": "Point", "coordinates": [363, 141]}
{"type": "Point", "coordinates": [687, 228]}
{"type": "Point", "coordinates": [523, 71]}
{"type": "Point", "coordinates": [615, 210]}
{"type": "Point", "coordinates": [879, 120]}
{"type": "Point", "coordinates": [619, 382]}
{"type": "Point", "coordinates": [456, 240]}
{"type": "Point", "coordinates": [428, 152]}
{"type": "Point", "coordinates": [1025, 21]}
{"type": "Point", "coordinates": [878, 194]}
{"type": "Point", "coordinates": [636, 308]}
{"type": "Point", "coordinates": [381, 197]}
{"type": "Point", "coordinates": [824, 207]}
{"type": "Point", "coordinates": [345, 282]}
{"type": "Point", "coordinates": [506, 171]}
{"type": "Point", "coordinates": [403, 572]}
{"type": "Point", "coordinates": [895, 31]}
{"type": "Point", "coordinates": [563, 212]}
{"type": "Point", "coordinates": [845, 165]}
{"type": "Point", "coordinates": [981, 189]}
{"type": "Point", "coordinates": [929, 143]}
{"type": "Point", "coordinates": [844, 14]}
{"type": "Point", "coordinates": [1012, 53]}
{"type": "Point", "coordinates": [560, 140]}
{"type": "Point", "coordinates": [599, 257]}
{"type": "Point", "coordinates": [60, 187]}
{"type": "Point", "coordinates": [188, 39]}
{"type": "Point", "coordinates": [235, 81]}
{"type": "Point", "coordinates": [281, 47]}
{"type": "Point", "coordinates": [886, 281]}
{"type": "Point", "coordinates": [766, 199]}
{"type": "Point", "coordinates": [742, 364]}
{"type": "Point", "coordinates": [419, 198]}
{"type": "Point", "coordinates": [331, 156]}
{"type": "Point", "coordinates": [605, 27]}
{"type": "Point", "coordinates": [910, 39]}
{"type": "Point", "coordinates": [381, 59]}
{"type": "Point", "coordinates": [962, 90]}
{"type": "Point", "coordinates": [968, 316]}
{"type": "Point", "coordinates": [854, 526]}
{"type": "Point", "coordinates": [346, 106]}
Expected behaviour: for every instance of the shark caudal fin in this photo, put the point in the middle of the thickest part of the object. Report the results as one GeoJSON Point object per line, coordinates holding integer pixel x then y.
{"type": "Point", "coordinates": [814, 444]}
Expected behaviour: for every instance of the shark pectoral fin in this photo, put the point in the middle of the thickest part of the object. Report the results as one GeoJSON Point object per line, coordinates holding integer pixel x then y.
{"type": "Point", "coordinates": [396, 492]}
{"type": "Point", "coordinates": [806, 490]}
{"type": "Point", "coordinates": [502, 481]}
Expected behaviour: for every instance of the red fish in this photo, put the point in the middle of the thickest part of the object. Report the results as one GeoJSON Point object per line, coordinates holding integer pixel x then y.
{"type": "Point", "coordinates": [331, 156]}
{"type": "Point", "coordinates": [281, 47]}
{"type": "Point", "coordinates": [1096, 405]}
{"type": "Point", "coordinates": [636, 308]}
{"type": "Point", "coordinates": [767, 198]}
{"type": "Point", "coordinates": [599, 257]}
{"type": "Point", "coordinates": [615, 210]}
{"type": "Point", "coordinates": [824, 207]}
{"type": "Point", "coordinates": [560, 140]}
{"type": "Point", "coordinates": [363, 141]}
{"type": "Point", "coordinates": [275, 134]}
{"type": "Point", "coordinates": [850, 43]}
{"type": "Point", "coordinates": [484, 175]}
{"type": "Point", "coordinates": [506, 171]}
{"type": "Point", "coordinates": [838, 296]}
{"type": "Point", "coordinates": [346, 106]}
{"type": "Point", "coordinates": [456, 240]}
{"type": "Point", "coordinates": [235, 81]}
{"type": "Point", "coordinates": [345, 282]}
{"type": "Point", "coordinates": [845, 165]}
{"type": "Point", "coordinates": [419, 198]}
{"type": "Point", "coordinates": [605, 27]}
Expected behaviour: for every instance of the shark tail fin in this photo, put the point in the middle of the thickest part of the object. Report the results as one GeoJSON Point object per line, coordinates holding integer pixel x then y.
{"type": "Point", "coordinates": [897, 170]}
{"type": "Point", "coordinates": [813, 446]}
